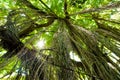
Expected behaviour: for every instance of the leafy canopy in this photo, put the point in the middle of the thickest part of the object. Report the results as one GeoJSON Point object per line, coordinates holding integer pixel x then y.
{"type": "Point", "coordinates": [89, 29]}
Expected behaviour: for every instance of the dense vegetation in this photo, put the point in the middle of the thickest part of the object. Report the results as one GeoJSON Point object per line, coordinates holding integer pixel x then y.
{"type": "Point", "coordinates": [41, 39]}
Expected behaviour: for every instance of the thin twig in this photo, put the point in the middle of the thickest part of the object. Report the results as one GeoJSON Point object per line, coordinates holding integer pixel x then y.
{"type": "Point", "coordinates": [28, 4]}
{"type": "Point", "coordinates": [47, 7]}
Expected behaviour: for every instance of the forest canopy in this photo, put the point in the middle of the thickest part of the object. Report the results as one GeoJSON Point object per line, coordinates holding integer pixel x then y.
{"type": "Point", "coordinates": [59, 40]}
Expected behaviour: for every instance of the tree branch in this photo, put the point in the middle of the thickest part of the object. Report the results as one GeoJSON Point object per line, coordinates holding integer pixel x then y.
{"type": "Point", "coordinates": [112, 21]}
{"type": "Point", "coordinates": [28, 4]}
{"type": "Point", "coordinates": [65, 9]}
{"type": "Point", "coordinates": [35, 26]}
{"type": "Point", "coordinates": [111, 6]}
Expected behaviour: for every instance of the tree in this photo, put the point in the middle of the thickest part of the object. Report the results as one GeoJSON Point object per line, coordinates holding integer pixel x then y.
{"type": "Point", "coordinates": [88, 29]}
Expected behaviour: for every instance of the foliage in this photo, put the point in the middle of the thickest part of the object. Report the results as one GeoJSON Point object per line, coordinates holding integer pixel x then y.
{"type": "Point", "coordinates": [88, 29]}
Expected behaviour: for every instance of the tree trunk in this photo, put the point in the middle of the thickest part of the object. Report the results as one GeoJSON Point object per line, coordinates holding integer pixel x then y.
{"type": "Point", "coordinates": [14, 46]}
